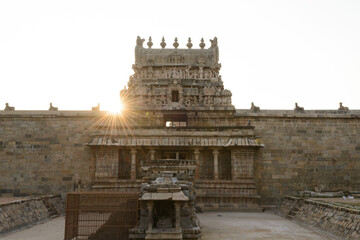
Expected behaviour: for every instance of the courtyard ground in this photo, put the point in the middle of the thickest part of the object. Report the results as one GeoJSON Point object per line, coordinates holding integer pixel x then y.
{"type": "Point", "coordinates": [216, 225]}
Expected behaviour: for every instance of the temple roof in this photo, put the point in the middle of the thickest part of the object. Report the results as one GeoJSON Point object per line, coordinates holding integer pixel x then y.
{"type": "Point", "coordinates": [175, 141]}
{"type": "Point", "coordinates": [175, 56]}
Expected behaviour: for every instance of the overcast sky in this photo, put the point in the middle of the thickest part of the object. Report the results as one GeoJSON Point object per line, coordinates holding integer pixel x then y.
{"type": "Point", "coordinates": [273, 53]}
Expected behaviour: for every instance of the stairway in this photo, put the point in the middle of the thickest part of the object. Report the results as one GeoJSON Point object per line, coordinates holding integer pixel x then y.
{"type": "Point", "coordinates": [50, 207]}
{"type": "Point", "coordinates": [294, 210]}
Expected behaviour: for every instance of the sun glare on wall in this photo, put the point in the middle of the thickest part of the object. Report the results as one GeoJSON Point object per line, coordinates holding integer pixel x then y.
{"type": "Point", "coordinates": [115, 108]}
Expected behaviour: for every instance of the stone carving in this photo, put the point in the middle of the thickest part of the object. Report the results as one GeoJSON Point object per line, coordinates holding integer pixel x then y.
{"type": "Point", "coordinates": [254, 108]}
{"type": "Point", "coordinates": [176, 72]}
{"type": "Point", "coordinates": [209, 90]}
{"type": "Point", "coordinates": [176, 44]}
{"type": "Point", "coordinates": [8, 108]}
{"type": "Point", "coordinates": [52, 108]}
{"type": "Point", "coordinates": [342, 108]}
{"type": "Point", "coordinates": [139, 47]}
{"type": "Point", "coordinates": [175, 58]}
{"type": "Point", "coordinates": [202, 44]}
{"type": "Point", "coordinates": [97, 108]}
{"type": "Point", "coordinates": [189, 44]}
{"type": "Point", "coordinates": [163, 43]}
{"type": "Point", "coordinates": [214, 45]}
{"type": "Point", "coordinates": [297, 108]}
{"type": "Point", "coordinates": [177, 78]}
{"type": "Point", "coordinates": [150, 42]}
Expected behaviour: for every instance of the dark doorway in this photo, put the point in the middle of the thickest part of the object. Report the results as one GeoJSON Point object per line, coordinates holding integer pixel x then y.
{"type": "Point", "coordinates": [175, 96]}
{"type": "Point", "coordinates": [124, 164]}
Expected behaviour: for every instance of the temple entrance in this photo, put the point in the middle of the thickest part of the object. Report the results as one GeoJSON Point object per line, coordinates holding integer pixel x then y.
{"type": "Point", "coordinates": [164, 214]}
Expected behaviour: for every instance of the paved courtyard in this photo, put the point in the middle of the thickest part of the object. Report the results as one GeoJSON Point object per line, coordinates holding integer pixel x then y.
{"type": "Point", "coordinates": [216, 225]}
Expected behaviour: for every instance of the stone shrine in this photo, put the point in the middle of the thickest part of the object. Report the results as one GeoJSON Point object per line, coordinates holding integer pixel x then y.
{"type": "Point", "coordinates": [177, 112]}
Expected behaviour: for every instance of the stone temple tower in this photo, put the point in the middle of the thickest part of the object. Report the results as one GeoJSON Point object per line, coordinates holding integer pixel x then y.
{"type": "Point", "coordinates": [177, 79]}
{"type": "Point", "coordinates": [177, 111]}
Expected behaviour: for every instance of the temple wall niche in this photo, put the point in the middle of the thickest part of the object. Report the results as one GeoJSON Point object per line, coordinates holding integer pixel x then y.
{"type": "Point", "coordinates": [107, 163]}
{"type": "Point", "coordinates": [206, 164]}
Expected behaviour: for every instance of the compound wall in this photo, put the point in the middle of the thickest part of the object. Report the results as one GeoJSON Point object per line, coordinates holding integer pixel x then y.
{"type": "Point", "coordinates": [305, 150]}
{"type": "Point", "coordinates": [43, 152]}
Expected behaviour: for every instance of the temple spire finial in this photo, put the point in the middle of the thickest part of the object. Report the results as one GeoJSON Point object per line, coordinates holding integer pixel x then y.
{"type": "Point", "coordinates": [202, 44]}
{"type": "Point", "coordinates": [176, 44]}
{"type": "Point", "coordinates": [150, 43]}
{"type": "Point", "coordinates": [189, 44]}
{"type": "Point", "coordinates": [163, 43]}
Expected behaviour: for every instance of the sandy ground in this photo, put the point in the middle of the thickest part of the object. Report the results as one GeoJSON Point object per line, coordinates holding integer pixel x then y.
{"type": "Point", "coordinates": [51, 230]}
{"type": "Point", "coordinates": [216, 225]}
{"type": "Point", "coordinates": [252, 226]}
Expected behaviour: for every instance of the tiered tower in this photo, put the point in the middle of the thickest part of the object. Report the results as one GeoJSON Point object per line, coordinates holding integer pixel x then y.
{"type": "Point", "coordinates": [177, 112]}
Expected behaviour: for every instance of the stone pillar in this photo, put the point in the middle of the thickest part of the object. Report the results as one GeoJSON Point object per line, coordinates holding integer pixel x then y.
{"type": "Point", "coordinates": [197, 160]}
{"type": "Point", "coordinates": [216, 164]}
{"type": "Point", "coordinates": [133, 164]}
{"type": "Point", "coordinates": [150, 207]}
{"type": "Point", "coordinates": [152, 154]}
{"type": "Point", "coordinates": [177, 216]}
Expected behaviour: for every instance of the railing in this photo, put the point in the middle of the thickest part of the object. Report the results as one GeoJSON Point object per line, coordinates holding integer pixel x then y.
{"type": "Point", "coordinates": [169, 162]}
{"type": "Point", "coordinates": [100, 215]}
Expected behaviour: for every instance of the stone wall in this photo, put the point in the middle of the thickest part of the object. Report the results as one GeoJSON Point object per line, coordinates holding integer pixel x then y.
{"type": "Point", "coordinates": [22, 213]}
{"type": "Point", "coordinates": [305, 150]}
{"type": "Point", "coordinates": [339, 221]}
{"type": "Point", "coordinates": [43, 152]}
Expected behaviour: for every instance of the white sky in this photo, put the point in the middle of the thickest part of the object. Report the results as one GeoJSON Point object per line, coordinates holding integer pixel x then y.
{"type": "Point", "coordinates": [273, 53]}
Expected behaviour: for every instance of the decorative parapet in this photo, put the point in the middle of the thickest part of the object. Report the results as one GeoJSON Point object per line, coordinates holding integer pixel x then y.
{"type": "Point", "coordinates": [176, 56]}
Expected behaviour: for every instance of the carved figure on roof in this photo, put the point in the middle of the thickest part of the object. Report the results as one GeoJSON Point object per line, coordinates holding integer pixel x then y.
{"type": "Point", "coordinates": [254, 108]}
{"type": "Point", "coordinates": [138, 47]}
{"type": "Point", "coordinates": [214, 43]}
{"type": "Point", "coordinates": [342, 108]}
{"type": "Point", "coordinates": [298, 108]}
{"type": "Point", "coordinates": [8, 108]}
{"type": "Point", "coordinates": [52, 108]}
{"type": "Point", "coordinates": [139, 42]}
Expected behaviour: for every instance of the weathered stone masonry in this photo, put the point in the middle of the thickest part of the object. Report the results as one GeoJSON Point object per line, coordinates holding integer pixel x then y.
{"type": "Point", "coordinates": [339, 221]}
{"type": "Point", "coordinates": [42, 152]}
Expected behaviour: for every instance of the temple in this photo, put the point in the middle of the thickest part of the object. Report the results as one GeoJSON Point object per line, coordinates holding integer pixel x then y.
{"type": "Point", "coordinates": [178, 114]}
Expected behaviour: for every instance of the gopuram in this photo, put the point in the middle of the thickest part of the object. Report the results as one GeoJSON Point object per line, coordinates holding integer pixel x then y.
{"type": "Point", "coordinates": [179, 113]}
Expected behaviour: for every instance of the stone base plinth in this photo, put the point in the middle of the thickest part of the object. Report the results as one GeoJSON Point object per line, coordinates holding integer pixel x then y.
{"type": "Point", "coordinates": [164, 234]}
{"type": "Point", "coordinates": [226, 195]}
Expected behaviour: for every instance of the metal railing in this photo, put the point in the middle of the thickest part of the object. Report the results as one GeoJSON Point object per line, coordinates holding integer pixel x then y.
{"type": "Point", "coordinates": [100, 215]}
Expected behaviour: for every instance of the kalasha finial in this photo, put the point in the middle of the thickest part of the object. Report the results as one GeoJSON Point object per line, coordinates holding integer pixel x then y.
{"type": "Point", "coordinates": [176, 44]}
{"type": "Point", "coordinates": [202, 44]}
{"type": "Point", "coordinates": [163, 43]}
{"type": "Point", "coordinates": [150, 43]}
{"type": "Point", "coordinates": [189, 44]}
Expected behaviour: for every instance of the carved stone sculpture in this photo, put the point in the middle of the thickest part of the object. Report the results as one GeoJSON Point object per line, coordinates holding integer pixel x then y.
{"type": "Point", "coordinates": [52, 108]}
{"type": "Point", "coordinates": [342, 108]}
{"type": "Point", "coordinates": [8, 108]}
{"type": "Point", "coordinates": [297, 108]}
{"type": "Point", "coordinates": [254, 108]}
